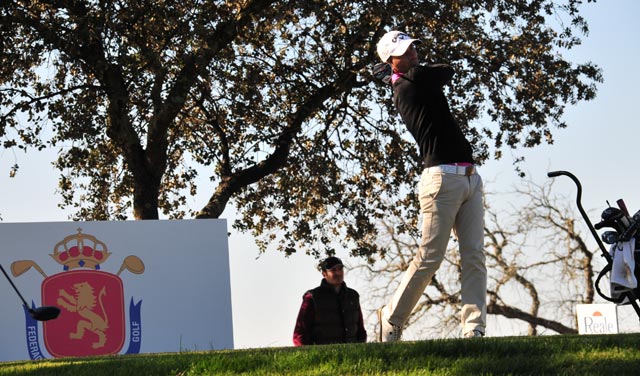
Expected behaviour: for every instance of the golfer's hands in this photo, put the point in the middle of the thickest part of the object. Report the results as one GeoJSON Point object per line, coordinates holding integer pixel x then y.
{"type": "Point", "coordinates": [382, 72]}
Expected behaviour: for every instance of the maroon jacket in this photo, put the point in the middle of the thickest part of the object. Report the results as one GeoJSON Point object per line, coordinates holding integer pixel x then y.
{"type": "Point", "coordinates": [329, 317]}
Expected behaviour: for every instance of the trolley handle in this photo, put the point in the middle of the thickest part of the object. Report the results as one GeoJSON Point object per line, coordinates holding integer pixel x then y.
{"type": "Point", "coordinates": [553, 174]}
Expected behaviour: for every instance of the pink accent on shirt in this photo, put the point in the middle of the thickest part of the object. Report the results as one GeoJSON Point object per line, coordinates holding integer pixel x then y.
{"type": "Point", "coordinates": [395, 76]}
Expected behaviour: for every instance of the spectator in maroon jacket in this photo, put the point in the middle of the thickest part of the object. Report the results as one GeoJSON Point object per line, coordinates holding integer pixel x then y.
{"type": "Point", "coordinates": [331, 312]}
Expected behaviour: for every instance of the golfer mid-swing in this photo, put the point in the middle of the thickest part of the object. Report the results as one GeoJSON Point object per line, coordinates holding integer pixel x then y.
{"type": "Point", "coordinates": [450, 190]}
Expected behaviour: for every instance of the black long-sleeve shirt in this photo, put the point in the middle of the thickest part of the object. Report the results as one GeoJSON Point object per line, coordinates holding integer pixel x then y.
{"type": "Point", "coordinates": [418, 95]}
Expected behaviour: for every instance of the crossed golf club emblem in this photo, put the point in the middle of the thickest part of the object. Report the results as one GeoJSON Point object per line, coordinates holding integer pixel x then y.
{"type": "Point", "coordinates": [130, 263]}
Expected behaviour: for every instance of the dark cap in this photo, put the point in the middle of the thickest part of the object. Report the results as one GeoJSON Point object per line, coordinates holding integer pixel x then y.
{"type": "Point", "coordinates": [329, 263]}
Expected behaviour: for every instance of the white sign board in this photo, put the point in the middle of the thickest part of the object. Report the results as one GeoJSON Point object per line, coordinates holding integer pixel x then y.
{"type": "Point", "coordinates": [597, 318]}
{"type": "Point", "coordinates": [122, 287]}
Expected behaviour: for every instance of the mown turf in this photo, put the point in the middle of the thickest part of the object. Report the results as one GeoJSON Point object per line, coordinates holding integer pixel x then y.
{"type": "Point", "coordinates": [552, 355]}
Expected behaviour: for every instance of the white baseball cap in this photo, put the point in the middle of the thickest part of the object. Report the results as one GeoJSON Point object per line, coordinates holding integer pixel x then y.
{"type": "Point", "coordinates": [394, 43]}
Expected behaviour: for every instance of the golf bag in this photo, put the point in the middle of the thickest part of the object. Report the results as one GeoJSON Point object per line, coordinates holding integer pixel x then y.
{"type": "Point", "coordinates": [624, 241]}
{"type": "Point", "coordinates": [623, 257]}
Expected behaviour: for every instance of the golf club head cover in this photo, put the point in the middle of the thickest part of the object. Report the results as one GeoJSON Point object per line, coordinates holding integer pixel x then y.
{"type": "Point", "coordinates": [382, 72]}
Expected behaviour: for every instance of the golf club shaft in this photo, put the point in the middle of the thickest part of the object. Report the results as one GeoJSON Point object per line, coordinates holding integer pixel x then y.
{"type": "Point", "coordinates": [14, 287]}
{"type": "Point", "coordinates": [623, 207]}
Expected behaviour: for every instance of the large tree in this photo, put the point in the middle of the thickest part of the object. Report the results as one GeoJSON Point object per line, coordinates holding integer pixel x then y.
{"type": "Point", "coordinates": [272, 100]}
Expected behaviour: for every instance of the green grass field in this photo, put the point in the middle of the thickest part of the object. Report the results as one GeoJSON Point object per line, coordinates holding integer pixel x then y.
{"type": "Point", "coordinates": [550, 355]}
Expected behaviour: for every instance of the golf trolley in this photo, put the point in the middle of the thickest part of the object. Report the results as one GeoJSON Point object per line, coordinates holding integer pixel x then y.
{"type": "Point", "coordinates": [626, 229]}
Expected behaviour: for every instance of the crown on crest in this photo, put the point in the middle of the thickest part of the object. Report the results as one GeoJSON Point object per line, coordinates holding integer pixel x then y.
{"type": "Point", "coordinates": [80, 251]}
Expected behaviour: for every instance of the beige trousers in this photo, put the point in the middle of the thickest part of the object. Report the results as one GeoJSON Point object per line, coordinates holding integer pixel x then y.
{"type": "Point", "coordinates": [447, 201]}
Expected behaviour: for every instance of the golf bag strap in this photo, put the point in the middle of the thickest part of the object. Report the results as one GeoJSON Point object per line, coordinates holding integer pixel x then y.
{"type": "Point", "coordinates": [604, 271]}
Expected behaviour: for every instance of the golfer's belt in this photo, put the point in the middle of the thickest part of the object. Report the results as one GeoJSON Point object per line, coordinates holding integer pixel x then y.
{"type": "Point", "coordinates": [450, 169]}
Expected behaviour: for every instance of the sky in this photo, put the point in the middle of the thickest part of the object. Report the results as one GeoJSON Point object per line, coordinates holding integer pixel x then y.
{"type": "Point", "coordinates": [598, 147]}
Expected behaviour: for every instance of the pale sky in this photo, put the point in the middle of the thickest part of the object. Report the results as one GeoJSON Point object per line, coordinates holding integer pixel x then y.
{"type": "Point", "coordinates": [599, 147]}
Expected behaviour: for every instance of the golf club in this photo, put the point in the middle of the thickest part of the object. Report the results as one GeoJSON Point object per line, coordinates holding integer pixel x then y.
{"type": "Point", "coordinates": [614, 218]}
{"type": "Point", "coordinates": [630, 231]}
{"type": "Point", "coordinates": [41, 313]}
{"type": "Point", "coordinates": [610, 237]}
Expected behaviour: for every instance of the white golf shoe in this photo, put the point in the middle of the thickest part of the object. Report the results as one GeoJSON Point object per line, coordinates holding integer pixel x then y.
{"type": "Point", "coordinates": [387, 332]}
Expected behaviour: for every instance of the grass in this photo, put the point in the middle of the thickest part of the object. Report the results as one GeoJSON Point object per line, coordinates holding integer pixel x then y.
{"type": "Point", "coordinates": [551, 355]}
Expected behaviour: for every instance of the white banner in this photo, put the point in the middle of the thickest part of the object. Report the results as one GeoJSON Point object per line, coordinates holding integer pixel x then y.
{"type": "Point", "coordinates": [121, 287]}
{"type": "Point", "coordinates": [597, 318]}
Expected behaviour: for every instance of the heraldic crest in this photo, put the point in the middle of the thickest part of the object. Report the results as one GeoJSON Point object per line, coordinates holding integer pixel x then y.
{"type": "Point", "coordinates": [92, 319]}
